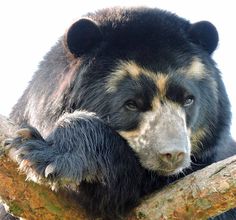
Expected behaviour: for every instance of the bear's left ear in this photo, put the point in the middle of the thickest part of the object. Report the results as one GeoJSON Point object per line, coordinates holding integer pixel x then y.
{"type": "Point", "coordinates": [83, 36]}
{"type": "Point", "coordinates": [204, 34]}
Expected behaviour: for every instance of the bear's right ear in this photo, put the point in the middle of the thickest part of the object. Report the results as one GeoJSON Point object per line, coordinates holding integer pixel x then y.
{"type": "Point", "coordinates": [83, 36]}
{"type": "Point", "coordinates": [204, 34]}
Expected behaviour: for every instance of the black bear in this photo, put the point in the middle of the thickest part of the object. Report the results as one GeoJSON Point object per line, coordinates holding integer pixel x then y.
{"type": "Point", "coordinates": [127, 101]}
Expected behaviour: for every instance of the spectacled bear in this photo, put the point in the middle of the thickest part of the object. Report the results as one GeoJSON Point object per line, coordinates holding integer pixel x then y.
{"type": "Point", "coordinates": [127, 101]}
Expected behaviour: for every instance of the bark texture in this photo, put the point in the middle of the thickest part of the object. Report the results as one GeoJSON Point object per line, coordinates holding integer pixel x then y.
{"type": "Point", "coordinates": [205, 193]}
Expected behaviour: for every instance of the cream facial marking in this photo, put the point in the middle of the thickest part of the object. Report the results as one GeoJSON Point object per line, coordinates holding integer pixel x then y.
{"type": "Point", "coordinates": [196, 69]}
{"type": "Point", "coordinates": [123, 69]}
{"type": "Point", "coordinates": [197, 136]}
{"type": "Point", "coordinates": [130, 68]}
{"type": "Point", "coordinates": [161, 82]}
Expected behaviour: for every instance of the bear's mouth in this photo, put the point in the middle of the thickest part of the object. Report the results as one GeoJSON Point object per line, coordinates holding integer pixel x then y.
{"type": "Point", "coordinates": [169, 172]}
{"type": "Point", "coordinates": [153, 163]}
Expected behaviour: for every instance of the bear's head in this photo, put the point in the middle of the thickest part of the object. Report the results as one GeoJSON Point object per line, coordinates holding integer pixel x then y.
{"type": "Point", "coordinates": [149, 75]}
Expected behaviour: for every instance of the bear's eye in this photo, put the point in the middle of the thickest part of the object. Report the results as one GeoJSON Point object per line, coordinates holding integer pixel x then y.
{"type": "Point", "coordinates": [131, 105]}
{"type": "Point", "coordinates": [188, 101]}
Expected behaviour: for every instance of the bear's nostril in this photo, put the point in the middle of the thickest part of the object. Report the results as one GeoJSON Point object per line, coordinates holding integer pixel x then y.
{"type": "Point", "coordinates": [172, 157]}
{"type": "Point", "coordinates": [180, 156]}
{"type": "Point", "coordinates": [168, 156]}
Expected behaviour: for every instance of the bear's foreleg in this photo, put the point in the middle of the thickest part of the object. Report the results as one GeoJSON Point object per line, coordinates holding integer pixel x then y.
{"type": "Point", "coordinates": [82, 150]}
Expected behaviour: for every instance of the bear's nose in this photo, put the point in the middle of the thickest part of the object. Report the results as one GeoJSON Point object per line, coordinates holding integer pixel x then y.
{"type": "Point", "coordinates": [172, 156]}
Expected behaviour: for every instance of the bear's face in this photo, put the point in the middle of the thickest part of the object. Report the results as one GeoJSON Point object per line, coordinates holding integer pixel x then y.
{"type": "Point", "coordinates": [152, 86]}
{"type": "Point", "coordinates": [156, 112]}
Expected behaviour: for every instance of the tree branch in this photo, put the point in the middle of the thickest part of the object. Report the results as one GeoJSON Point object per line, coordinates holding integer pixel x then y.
{"type": "Point", "coordinates": [205, 193]}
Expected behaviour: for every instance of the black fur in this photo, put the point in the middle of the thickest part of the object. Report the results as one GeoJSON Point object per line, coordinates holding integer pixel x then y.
{"type": "Point", "coordinates": [79, 147]}
{"type": "Point", "coordinates": [85, 31]}
{"type": "Point", "coordinates": [205, 34]}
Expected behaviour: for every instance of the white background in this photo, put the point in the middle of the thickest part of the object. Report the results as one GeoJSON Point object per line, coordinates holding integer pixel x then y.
{"type": "Point", "coordinates": [29, 28]}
